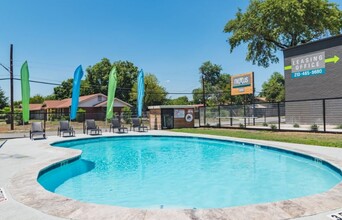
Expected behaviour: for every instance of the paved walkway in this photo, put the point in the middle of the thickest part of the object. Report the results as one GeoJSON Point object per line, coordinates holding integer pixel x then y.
{"type": "Point", "coordinates": [17, 155]}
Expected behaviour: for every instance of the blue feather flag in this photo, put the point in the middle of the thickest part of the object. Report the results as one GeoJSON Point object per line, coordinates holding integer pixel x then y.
{"type": "Point", "coordinates": [76, 91]}
{"type": "Point", "coordinates": [141, 91]}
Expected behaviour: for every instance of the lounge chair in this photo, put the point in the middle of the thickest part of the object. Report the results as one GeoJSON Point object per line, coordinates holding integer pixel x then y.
{"type": "Point", "coordinates": [115, 123]}
{"type": "Point", "coordinates": [92, 127]}
{"type": "Point", "coordinates": [37, 129]}
{"type": "Point", "coordinates": [137, 124]}
{"type": "Point", "coordinates": [64, 127]}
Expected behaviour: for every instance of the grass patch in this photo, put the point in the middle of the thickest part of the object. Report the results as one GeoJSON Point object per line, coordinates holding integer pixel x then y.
{"type": "Point", "coordinates": [329, 140]}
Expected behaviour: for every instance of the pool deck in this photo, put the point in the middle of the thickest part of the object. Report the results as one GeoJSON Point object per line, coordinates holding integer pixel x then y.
{"type": "Point", "coordinates": [22, 159]}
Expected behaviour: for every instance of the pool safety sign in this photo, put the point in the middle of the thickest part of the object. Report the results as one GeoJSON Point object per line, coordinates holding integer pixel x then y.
{"type": "Point", "coordinates": [242, 84]}
{"type": "Point", "coordinates": [179, 113]}
{"type": "Point", "coordinates": [310, 65]}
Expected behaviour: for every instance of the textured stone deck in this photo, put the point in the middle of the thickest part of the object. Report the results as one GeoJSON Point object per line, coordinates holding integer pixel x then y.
{"type": "Point", "coordinates": [22, 159]}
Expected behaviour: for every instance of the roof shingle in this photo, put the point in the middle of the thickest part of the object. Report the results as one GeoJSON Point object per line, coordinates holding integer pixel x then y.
{"type": "Point", "coordinates": [36, 107]}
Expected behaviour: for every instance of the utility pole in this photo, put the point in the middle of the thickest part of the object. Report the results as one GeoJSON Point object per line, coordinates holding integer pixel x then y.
{"type": "Point", "coordinates": [11, 87]}
{"type": "Point", "coordinates": [203, 91]}
{"type": "Point", "coordinates": [204, 104]}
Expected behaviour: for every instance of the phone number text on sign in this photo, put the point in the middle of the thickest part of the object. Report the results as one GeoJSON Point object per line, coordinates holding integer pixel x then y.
{"type": "Point", "coordinates": [308, 73]}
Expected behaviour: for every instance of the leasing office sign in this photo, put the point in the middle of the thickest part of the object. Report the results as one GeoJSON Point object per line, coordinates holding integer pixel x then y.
{"type": "Point", "coordinates": [308, 65]}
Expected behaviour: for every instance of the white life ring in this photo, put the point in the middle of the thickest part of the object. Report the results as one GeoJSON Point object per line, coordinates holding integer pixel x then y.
{"type": "Point", "coordinates": [188, 118]}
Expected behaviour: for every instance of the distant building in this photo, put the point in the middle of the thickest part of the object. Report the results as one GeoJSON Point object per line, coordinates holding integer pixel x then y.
{"type": "Point", "coordinates": [172, 116]}
{"type": "Point", "coordinates": [95, 106]}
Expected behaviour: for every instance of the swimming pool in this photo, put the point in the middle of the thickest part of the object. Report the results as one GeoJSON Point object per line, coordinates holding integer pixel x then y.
{"type": "Point", "coordinates": [185, 172]}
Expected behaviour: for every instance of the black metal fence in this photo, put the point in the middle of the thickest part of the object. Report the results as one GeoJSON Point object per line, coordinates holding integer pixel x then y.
{"type": "Point", "coordinates": [51, 122]}
{"type": "Point", "coordinates": [318, 115]}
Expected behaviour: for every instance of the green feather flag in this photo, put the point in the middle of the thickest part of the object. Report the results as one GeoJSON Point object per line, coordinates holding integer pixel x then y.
{"type": "Point", "coordinates": [25, 91]}
{"type": "Point", "coordinates": [111, 93]}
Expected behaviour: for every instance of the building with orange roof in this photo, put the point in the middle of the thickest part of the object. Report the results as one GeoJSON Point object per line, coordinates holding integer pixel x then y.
{"type": "Point", "coordinates": [95, 106]}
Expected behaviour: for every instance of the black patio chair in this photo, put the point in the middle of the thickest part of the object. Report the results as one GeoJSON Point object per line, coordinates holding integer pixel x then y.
{"type": "Point", "coordinates": [136, 123]}
{"type": "Point", "coordinates": [37, 129]}
{"type": "Point", "coordinates": [64, 127]}
{"type": "Point", "coordinates": [116, 124]}
{"type": "Point", "coordinates": [92, 127]}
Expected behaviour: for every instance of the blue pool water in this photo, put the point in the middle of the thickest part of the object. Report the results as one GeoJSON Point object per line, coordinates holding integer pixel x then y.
{"type": "Point", "coordinates": [180, 172]}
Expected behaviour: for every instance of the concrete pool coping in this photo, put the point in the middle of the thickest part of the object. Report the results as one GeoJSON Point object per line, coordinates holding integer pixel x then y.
{"type": "Point", "coordinates": [29, 157]}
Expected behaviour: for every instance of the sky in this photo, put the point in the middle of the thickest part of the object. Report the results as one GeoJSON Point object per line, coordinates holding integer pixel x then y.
{"type": "Point", "coordinates": [169, 38]}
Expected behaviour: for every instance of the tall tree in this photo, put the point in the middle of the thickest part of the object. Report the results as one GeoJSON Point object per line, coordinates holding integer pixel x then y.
{"type": "Point", "coordinates": [210, 72]}
{"type": "Point", "coordinates": [222, 90]}
{"type": "Point", "coordinates": [274, 89]}
{"type": "Point", "coordinates": [182, 100]}
{"type": "Point", "coordinates": [197, 96]}
{"type": "Point", "coordinates": [155, 94]}
{"type": "Point", "coordinates": [211, 75]}
{"type": "Point", "coordinates": [97, 76]}
{"type": "Point", "coordinates": [127, 74]}
{"type": "Point", "coordinates": [96, 80]}
{"type": "Point", "coordinates": [65, 89]}
{"type": "Point", "coordinates": [50, 97]}
{"type": "Point", "coordinates": [271, 25]}
{"type": "Point", "coordinates": [37, 99]}
{"type": "Point", "coordinates": [3, 99]}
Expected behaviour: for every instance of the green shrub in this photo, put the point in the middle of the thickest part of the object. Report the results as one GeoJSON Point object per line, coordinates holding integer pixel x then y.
{"type": "Point", "coordinates": [80, 115]}
{"type": "Point", "coordinates": [265, 124]}
{"type": "Point", "coordinates": [127, 114]}
{"type": "Point", "coordinates": [273, 127]}
{"type": "Point", "coordinates": [64, 118]}
{"type": "Point", "coordinates": [296, 125]}
{"type": "Point", "coordinates": [241, 125]}
{"type": "Point", "coordinates": [339, 126]}
{"type": "Point", "coordinates": [6, 110]}
{"type": "Point", "coordinates": [17, 117]}
{"type": "Point", "coordinates": [314, 127]}
{"type": "Point", "coordinates": [53, 117]}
